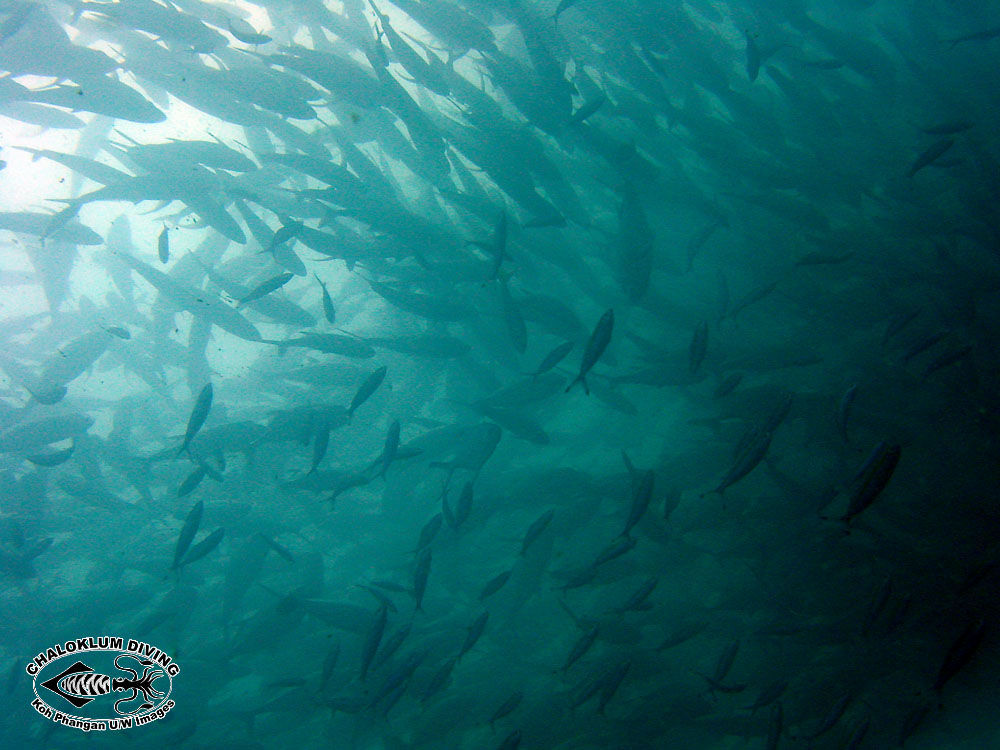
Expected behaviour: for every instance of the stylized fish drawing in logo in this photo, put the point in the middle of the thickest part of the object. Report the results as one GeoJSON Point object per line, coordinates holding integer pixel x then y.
{"type": "Point", "coordinates": [80, 684]}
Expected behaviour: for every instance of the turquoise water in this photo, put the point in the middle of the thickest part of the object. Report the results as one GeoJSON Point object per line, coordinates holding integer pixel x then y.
{"type": "Point", "coordinates": [456, 374]}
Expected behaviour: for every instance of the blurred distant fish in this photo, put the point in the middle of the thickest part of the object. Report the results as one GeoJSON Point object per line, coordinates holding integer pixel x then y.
{"type": "Point", "coordinates": [985, 35]}
{"type": "Point", "coordinates": [552, 359]}
{"type": "Point", "coordinates": [265, 288]}
{"type": "Point", "coordinates": [163, 246]}
{"type": "Point", "coordinates": [844, 411]}
{"type": "Point", "coordinates": [366, 389]}
{"type": "Point", "coordinates": [535, 530]}
{"type": "Point", "coordinates": [328, 310]}
{"type": "Point", "coordinates": [244, 32]}
{"type": "Point", "coordinates": [874, 477]}
{"type": "Point", "coordinates": [199, 414]}
{"type": "Point", "coordinates": [188, 532]}
{"type": "Point", "coordinates": [698, 347]}
{"type": "Point", "coordinates": [931, 154]}
{"type": "Point", "coordinates": [596, 345]}
{"type": "Point", "coordinates": [948, 127]}
{"type": "Point", "coordinates": [563, 6]}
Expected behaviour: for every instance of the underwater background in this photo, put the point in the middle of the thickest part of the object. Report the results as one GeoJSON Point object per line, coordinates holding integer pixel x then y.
{"type": "Point", "coordinates": [501, 373]}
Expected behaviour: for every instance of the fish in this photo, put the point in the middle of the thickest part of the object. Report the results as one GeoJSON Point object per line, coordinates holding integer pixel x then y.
{"type": "Point", "coordinates": [912, 721]}
{"type": "Point", "coordinates": [727, 385]}
{"type": "Point", "coordinates": [191, 482]}
{"type": "Point", "coordinates": [439, 680]}
{"type": "Point", "coordinates": [823, 259]}
{"type": "Point", "coordinates": [516, 328]}
{"type": "Point", "coordinates": [682, 634]}
{"type": "Point", "coordinates": [429, 531]}
{"type": "Point", "coordinates": [321, 441]}
{"type": "Point", "coordinates": [598, 342]}
{"type": "Point", "coordinates": [874, 477]}
{"type": "Point", "coordinates": [753, 57]}
{"type": "Point", "coordinates": [563, 6]}
{"type": "Point", "coordinates": [725, 661]}
{"type": "Point", "coordinates": [420, 575]}
{"type": "Point", "coordinates": [611, 683]}
{"type": "Point", "coordinates": [775, 727]}
{"type": "Point", "coordinates": [553, 358]}
{"type": "Point", "coordinates": [163, 246]}
{"type": "Point", "coordinates": [985, 35]}
{"type": "Point", "coordinates": [511, 742]}
{"type": "Point", "coordinates": [462, 509]}
{"type": "Point", "coordinates": [474, 634]}
{"type": "Point", "coordinates": [242, 31]}
{"type": "Point", "coordinates": [768, 695]}
{"type": "Point", "coordinates": [947, 359]}
{"type": "Point", "coordinates": [931, 154]}
{"type": "Point", "coordinates": [201, 549]}
{"type": "Point", "coordinates": [372, 640]}
{"type": "Point", "coordinates": [390, 448]}
{"type": "Point", "coordinates": [366, 389]}
{"type": "Point", "coordinates": [329, 343]}
{"type": "Point", "coordinates": [506, 708]}
{"type": "Point", "coordinates": [844, 411]}
{"type": "Point", "coordinates": [494, 584]}
{"type": "Point", "coordinates": [832, 716]}
{"type": "Point", "coordinates": [198, 303]}
{"type": "Point", "coordinates": [328, 310]}
{"type": "Point", "coordinates": [747, 459]}
{"type": "Point", "coordinates": [44, 431]}
{"type": "Point", "coordinates": [588, 108]}
{"type": "Point", "coordinates": [199, 413]}
{"type": "Point", "coordinates": [698, 347]}
{"type": "Point", "coordinates": [188, 532]}
{"type": "Point", "coordinates": [53, 458]}
{"type": "Point", "coordinates": [960, 652]}
{"type": "Point", "coordinates": [948, 127]}
{"type": "Point", "coordinates": [642, 493]}
{"type": "Point", "coordinates": [614, 550]}
{"type": "Point", "coordinates": [391, 646]}
{"type": "Point", "coordinates": [637, 601]}
{"type": "Point", "coordinates": [535, 529]}
{"type": "Point", "coordinates": [265, 288]}
{"type": "Point", "coordinates": [581, 647]}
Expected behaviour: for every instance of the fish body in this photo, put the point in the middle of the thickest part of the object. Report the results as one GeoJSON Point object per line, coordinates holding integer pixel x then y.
{"type": "Point", "coordinates": [372, 640]}
{"type": "Point", "coordinates": [163, 246]}
{"type": "Point", "coordinates": [698, 347]}
{"type": "Point", "coordinates": [475, 631]}
{"type": "Point", "coordinates": [494, 584]}
{"type": "Point", "coordinates": [747, 459]}
{"type": "Point", "coordinates": [265, 288]}
{"type": "Point", "coordinates": [199, 414]}
{"type": "Point", "coordinates": [391, 446]}
{"type": "Point", "coordinates": [553, 358]}
{"type": "Point", "coordinates": [844, 411]}
{"type": "Point", "coordinates": [931, 154]}
{"type": "Point", "coordinates": [420, 575]}
{"type": "Point", "coordinates": [367, 388]}
{"type": "Point", "coordinates": [641, 496]}
{"type": "Point", "coordinates": [202, 548]}
{"type": "Point", "coordinates": [188, 531]}
{"type": "Point", "coordinates": [598, 342]}
{"type": "Point", "coordinates": [875, 476]}
{"type": "Point", "coordinates": [581, 647]}
{"type": "Point", "coordinates": [329, 312]}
